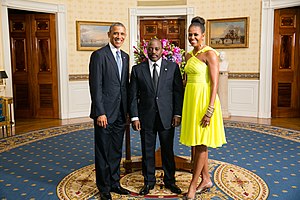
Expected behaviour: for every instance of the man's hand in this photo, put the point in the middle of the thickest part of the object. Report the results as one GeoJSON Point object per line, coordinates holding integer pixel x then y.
{"type": "Point", "coordinates": [176, 121]}
{"type": "Point", "coordinates": [136, 125]}
{"type": "Point", "coordinates": [102, 121]}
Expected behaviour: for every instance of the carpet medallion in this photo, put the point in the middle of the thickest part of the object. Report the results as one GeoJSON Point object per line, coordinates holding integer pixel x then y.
{"type": "Point", "coordinates": [230, 180]}
{"type": "Point", "coordinates": [258, 162]}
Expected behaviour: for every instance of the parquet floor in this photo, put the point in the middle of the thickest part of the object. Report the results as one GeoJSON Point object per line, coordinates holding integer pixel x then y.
{"type": "Point", "coordinates": [26, 125]}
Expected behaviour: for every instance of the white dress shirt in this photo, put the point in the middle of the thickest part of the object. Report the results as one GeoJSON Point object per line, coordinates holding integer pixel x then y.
{"type": "Point", "coordinates": [151, 63]}
{"type": "Point", "coordinates": [114, 51]}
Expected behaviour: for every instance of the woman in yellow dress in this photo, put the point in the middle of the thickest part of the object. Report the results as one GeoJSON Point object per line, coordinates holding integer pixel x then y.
{"type": "Point", "coordinates": [202, 122]}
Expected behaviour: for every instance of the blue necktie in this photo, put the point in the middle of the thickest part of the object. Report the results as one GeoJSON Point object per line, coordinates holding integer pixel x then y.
{"type": "Point", "coordinates": [119, 62]}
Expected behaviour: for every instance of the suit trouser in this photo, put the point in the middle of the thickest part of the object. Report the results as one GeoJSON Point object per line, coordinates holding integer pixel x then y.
{"type": "Point", "coordinates": [108, 153]}
{"type": "Point", "coordinates": [148, 139]}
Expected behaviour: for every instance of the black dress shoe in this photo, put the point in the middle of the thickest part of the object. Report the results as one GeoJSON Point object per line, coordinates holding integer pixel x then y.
{"type": "Point", "coordinates": [174, 188]}
{"type": "Point", "coordinates": [105, 196]}
{"type": "Point", "coordinates": [119, 190]}
{"type": "Point", "coordinates": [145, 189]}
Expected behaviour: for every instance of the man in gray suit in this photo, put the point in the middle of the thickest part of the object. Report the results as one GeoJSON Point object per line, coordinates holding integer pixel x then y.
{"type": "Point", "coordinates": [156, 96]}
{"type": "Point", "coordinates": [109, 81]}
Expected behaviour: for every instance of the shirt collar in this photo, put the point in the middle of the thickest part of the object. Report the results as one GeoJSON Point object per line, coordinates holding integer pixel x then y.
{"type": "Point", "coordinates": [158, 62]}
{"type": "Point", "coordinates": [113, 49]}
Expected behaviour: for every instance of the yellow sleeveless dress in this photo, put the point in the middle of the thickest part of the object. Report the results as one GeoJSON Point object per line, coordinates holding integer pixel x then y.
{"type": "Point", "coordinates": [195, 104]}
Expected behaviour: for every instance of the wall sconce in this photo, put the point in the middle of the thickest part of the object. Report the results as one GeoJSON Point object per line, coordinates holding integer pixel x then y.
{"type": "Point", "coordinates": [3, 75]}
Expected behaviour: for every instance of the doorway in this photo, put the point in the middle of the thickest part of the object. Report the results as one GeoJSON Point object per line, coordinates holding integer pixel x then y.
{"type": "Point", "coordinates": [286, 63]}
{"type": "Point", "coordinates": [138, 13]}
{"type": "Point", "coordinates": [171, 28]}
{"type": "Point", "coordinates": [33, 64]}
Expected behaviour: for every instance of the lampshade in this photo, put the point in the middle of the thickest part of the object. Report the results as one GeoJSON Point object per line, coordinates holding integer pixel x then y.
{"type": "Point", "coordinates": [3, 74]}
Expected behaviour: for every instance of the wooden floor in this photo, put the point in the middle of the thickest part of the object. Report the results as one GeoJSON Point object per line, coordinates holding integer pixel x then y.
{"type": "Point", "coordinates": [289, 123]}
{"type": "Point", "coordinates": [26, 125]}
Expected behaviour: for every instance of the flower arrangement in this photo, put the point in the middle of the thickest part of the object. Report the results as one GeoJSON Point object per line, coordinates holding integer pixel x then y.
{"type": "Point", "coordinates": [170, 52]}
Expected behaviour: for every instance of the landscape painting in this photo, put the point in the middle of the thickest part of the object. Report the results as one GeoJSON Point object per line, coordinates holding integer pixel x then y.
{"type": "Point", "coordinates": [92, 35]}
{"type": "Point", "coordinates": [228, 33]}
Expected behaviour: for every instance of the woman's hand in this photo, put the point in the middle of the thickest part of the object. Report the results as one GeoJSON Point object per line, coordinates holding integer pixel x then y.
{"type": "Point", "coordinates": [205, 121]}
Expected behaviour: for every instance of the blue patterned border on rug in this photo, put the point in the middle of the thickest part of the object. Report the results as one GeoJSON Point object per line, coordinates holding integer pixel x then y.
{"type": "Point", "coordinates": [33, 164]}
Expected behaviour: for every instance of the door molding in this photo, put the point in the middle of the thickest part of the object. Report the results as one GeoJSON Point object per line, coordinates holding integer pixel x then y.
{"type": "Point", "coordinates": [266, 53]}
{"type": "Point", "coordinates": [60, 12]}
{"type": "Point", "coordinates": [155, 11]}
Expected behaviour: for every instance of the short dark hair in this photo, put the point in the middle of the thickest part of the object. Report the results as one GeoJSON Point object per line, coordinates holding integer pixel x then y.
{"type": "Point", "coordinates": [198, 21]}
{"type": "Point", "coordinates": [155, 39]}
{"type": "Point", "coordinates": [116, 24]}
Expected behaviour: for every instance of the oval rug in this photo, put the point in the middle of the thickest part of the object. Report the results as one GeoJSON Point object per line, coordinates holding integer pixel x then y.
{"type": "Point", "coordinates": [229, 181]}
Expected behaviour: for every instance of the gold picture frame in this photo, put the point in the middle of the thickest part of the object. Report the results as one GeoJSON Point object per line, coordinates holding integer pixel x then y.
{"type": "Point", "coordinates": [228, 33]}
{"type": "Point", "coordinates": [91, 35]}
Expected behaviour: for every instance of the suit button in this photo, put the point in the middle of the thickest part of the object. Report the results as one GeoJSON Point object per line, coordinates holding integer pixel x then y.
{"type": "Point", "coordinates": [156, 97]}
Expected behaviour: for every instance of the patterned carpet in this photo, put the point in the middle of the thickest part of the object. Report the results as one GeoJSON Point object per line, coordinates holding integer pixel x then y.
{"type": "Point", "coordinates": [259, 162]}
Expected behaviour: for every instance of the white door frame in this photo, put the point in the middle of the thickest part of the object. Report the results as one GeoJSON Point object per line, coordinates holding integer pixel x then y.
{"type": "Point", "coordinates": [61, 36]}
{"type": "Point", "coordinates": [266, 54]}
{"type": "Point", "coordinates": [154, 11]}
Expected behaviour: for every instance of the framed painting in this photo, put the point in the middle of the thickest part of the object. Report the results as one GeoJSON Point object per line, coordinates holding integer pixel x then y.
{"type": "Point", "coordinates": [228, 33]}
{"type": "Point", "coordinates": [91, 35]}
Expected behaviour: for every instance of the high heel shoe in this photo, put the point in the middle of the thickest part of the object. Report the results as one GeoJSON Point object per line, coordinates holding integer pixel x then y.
{"type": "Point", "coordinates": [205, 187]}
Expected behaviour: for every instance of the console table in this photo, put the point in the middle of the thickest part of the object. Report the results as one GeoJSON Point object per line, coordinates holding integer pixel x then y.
{"type": "Point", "coordinates": [7, 103]}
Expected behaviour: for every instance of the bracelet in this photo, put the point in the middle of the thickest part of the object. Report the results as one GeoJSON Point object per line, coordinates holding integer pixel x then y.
{"type": "Point", "coordinates": [210, 111]}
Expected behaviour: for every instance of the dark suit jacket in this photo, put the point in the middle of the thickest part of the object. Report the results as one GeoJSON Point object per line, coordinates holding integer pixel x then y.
{"type": "Point", "coordinates": [169, 94]}
{"type": "Point", "coordinates": [107, 91]}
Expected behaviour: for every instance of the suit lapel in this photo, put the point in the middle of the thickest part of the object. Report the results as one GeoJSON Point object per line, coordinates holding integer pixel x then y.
{"type": "Point", "coordinates": [112, 59]}
{"type": "Point", "coordinates": [162, 74]}
{"type": "Point", "coordinates": [147, 75]}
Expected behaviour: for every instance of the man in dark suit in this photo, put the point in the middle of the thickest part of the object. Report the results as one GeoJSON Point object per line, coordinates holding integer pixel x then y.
{"type": "Point", "coordinates": [109, 81]}
{"type": "Point", "coordinates": [156, 96]}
